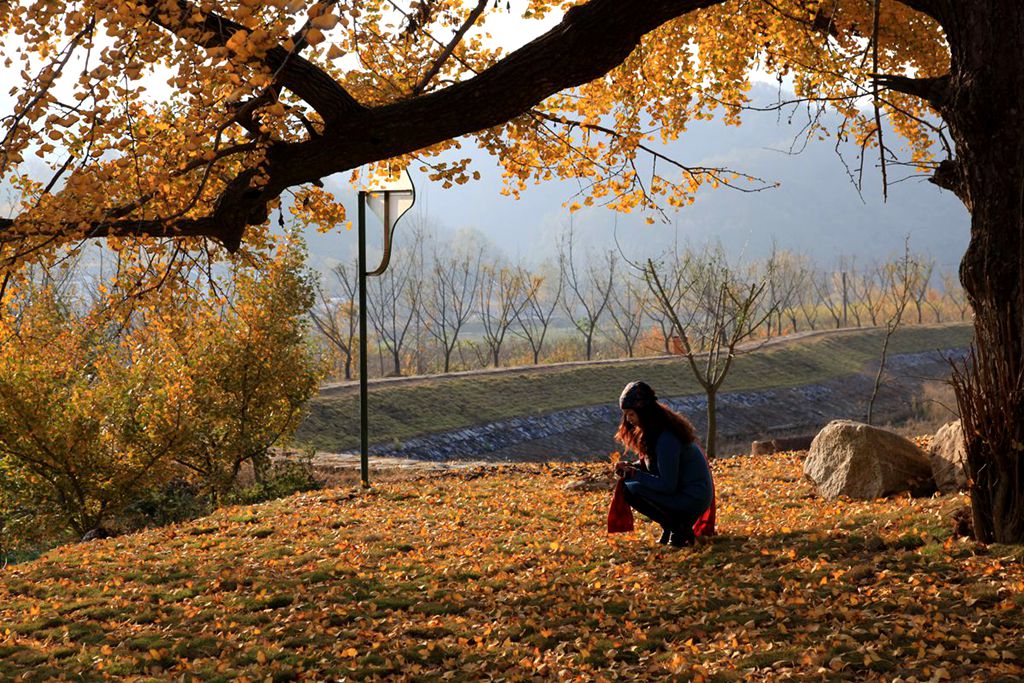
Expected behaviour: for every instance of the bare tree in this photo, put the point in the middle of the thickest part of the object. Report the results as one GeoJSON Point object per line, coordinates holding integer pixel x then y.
{"type": "Point", "coordinates": [869, 290]}
{"type": "Point", "coordinates": [542, 297]}
{"type": "Point", "coordinates": [807, 303]}
{"type": "Point", "coordinates": [420, 237]}
{"type": "Point", "coordinates": [898, 285]}
{"type": "Point", "coordinates": [705, 297]}
{"type": "Point", "coordinates": [628, 308]}
{"type": "Point", "coordinates": [503, 294]}
{"type": "Point", "coordinates": [955, 294]}
{"type": "Point", "coordinates": [481, 353]}
{"type": "Point", "coordinates": [588, 288]}
{"type": "Point", "coordinates": [934, 301]}
{"type": "Point", "coordinates": [922, 277]}
{"type": "Point", "coordinates": [455, 277]}
{"type": "Point", "coordinates": [337, 316]}
{"type": "Point", "coordinates": [787, 274]}
{"type": "Point", "coordinates": [394, 303]}
{"type": "Point", "coordinates": [656, 315]}
{"type": "Point", "coordinates": [830, 296]}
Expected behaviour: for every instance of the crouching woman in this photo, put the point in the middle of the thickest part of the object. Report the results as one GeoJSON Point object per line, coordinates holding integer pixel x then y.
{"type": "Point", "coordinates": [671, 482]}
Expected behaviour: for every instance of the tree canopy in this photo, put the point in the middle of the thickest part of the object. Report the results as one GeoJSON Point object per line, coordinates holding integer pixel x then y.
{"type": "Point", "coordinates": [168, 118]}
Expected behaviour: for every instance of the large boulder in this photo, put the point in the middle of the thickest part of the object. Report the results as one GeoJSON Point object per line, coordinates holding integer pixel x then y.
{"type": "Point", "coordinates": [860, 461]}
{"type": "Point", "coordinates": [949, 458]}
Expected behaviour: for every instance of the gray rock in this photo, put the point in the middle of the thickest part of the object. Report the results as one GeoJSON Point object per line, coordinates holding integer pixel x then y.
{"type": "Point", "coordinates": [949, 458]}
{"type": "Point", "coordinates": [860, 461]}
{"type": "Point", "coordinates": [781, 444]}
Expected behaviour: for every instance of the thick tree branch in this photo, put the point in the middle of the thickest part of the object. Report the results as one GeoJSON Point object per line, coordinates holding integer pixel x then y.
{"type": "Point", "coordinates": [934, 90]}
{"type": "Point", "coordinates": [141, 228]}
{"type": "Point", "coordinates": [591, 40]}
{"type": "Point", "coordinates": [936, 9]}
{"type": "Point", "coordinates": [950, 176]}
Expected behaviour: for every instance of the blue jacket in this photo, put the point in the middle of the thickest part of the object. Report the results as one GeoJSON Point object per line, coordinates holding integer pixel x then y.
{"type": "Point", "coordinates": [678, 477]}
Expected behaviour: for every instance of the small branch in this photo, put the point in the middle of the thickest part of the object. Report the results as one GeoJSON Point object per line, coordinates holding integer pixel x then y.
{"type": "Point", "coordinates": [715, 173]}
{"type": "Point", "coordinates": [306, 80]}
{"type": "Point", "coordinates": [450, 47]}
{"type": "Point", "coordinates": [822, 21]}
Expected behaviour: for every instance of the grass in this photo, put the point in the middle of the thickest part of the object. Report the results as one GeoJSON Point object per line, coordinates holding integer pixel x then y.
{"type": "Point", "coordinates": [503, 573]}
{"type": "Point", "coordinates": [402, 411]}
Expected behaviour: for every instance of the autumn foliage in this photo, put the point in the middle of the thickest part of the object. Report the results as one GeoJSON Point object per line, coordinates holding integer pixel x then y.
{"type": "Point", "coordinates": [105, 398]}
{"type": "Point", "coordinates": [159, 118]}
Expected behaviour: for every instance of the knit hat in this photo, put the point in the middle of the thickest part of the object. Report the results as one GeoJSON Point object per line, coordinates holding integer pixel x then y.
{"type": "Point", "coordinates": [637, 395]}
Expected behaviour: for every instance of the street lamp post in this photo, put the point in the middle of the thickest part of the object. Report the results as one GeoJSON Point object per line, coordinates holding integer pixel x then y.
{"type": "Point", "coordinates": [389, 201]}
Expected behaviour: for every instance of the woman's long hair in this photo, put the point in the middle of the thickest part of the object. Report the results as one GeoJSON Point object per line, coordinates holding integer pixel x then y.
{"type": "Point", "coordinates": [641, 439]}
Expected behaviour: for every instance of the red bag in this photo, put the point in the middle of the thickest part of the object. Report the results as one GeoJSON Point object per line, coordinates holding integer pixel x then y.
{"type": "Point", "coordinates": [705, 525]}
{"type": "Point", "coordinates": [620, 515]}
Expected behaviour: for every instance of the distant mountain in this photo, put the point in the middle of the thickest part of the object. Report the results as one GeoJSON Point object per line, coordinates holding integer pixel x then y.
{"type": "Point", "coordinates": [816, 209]}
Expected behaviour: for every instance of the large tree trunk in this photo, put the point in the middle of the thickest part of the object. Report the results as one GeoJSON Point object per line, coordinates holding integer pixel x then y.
{"type": "Point", "coordinates": [984, 107]}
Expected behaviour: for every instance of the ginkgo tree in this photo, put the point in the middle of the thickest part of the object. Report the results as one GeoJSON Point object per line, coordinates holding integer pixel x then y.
{"type": "Point", "coordinates": [163, 119]}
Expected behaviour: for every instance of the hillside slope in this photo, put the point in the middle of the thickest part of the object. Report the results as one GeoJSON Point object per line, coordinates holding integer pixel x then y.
{"type": "Point", "coordinates": [405, 409]}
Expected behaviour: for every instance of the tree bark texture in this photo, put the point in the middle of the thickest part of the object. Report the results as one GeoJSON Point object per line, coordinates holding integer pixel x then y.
{"type": "Point", "coordinates": [984, 107]}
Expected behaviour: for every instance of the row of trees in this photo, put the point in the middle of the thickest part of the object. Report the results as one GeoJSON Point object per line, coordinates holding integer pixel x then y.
{"type": "Point", "coordinates": [109, 393]}
{"type": "Point", "coordinates": [446, 305]}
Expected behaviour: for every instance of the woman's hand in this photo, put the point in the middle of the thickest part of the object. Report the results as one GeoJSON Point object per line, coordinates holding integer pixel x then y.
{"type": "Point", "coordinates": [624, 469]}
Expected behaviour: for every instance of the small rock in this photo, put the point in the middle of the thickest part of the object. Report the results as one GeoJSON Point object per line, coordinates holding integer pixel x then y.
{"type": "Point", "coordinates": [949, 458]}
{"type": "Point", "coordinates": [782, 444]}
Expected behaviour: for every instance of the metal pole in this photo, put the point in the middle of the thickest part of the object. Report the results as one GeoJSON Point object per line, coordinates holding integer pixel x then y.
{"type": "Point", "coordinates": [364, 414]}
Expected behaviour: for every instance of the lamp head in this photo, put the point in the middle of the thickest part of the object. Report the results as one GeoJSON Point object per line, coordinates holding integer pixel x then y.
{"type": "Point", "coordinates": [389, 198]}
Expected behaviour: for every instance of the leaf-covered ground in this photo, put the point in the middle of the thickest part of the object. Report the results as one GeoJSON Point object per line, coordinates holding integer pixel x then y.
{"type": "Point", "coordinates": [502, 574]}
